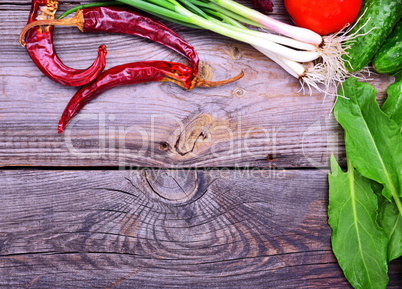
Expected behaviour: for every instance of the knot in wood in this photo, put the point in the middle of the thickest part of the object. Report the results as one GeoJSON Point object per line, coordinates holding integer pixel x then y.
{"type": "Point", "coordinates": [164, 146]}
{"type": "Point", "coordinates": [194, 133]}
{"type": "Point", "coordinates": [236, 52]}
{"type": "Point", "coordinates": [173, 185]}
{"type": "Point", "coordinates": [239, 92]}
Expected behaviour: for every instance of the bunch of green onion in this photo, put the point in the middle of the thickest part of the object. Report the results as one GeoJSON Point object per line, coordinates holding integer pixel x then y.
{"type": "Point", "coordinates": [315, 60]}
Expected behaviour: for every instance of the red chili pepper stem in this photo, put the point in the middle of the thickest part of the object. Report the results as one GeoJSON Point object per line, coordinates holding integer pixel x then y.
{"type": "Point", "coordinates": [77, 20]}
{"type": "Point", "coordinates": [198, 82]}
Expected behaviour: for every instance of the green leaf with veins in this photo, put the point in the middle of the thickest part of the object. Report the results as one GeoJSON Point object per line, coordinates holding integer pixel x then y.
{"type": "Point", "coordinates": [389, 217]}
{"type": "Point", "coordinates": [358, 242]}
{"type": "Point", "coordinates": [391, 221]}
{"type": "Point", "coordinates": [373, 141]}
{"type": "Point", "coordinates": [392, 106]}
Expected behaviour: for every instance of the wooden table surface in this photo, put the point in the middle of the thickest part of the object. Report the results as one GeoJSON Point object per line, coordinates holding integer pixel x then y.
{"type": "Point", "coordinates": [152, 186]}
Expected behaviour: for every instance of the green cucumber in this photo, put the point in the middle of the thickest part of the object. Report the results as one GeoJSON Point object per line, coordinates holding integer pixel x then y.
{"type": "Point", "coordinates": [379, 16]}
{"type": "Point", "coordinates": [389, 58]}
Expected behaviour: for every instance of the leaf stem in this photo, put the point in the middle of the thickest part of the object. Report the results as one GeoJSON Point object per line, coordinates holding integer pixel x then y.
{"type": "Point", "coordinates": [158, 10]}
{"type": "Point", "coordinates": [351, 173]}
{"type": "Point", "coordinates": [97, 4]}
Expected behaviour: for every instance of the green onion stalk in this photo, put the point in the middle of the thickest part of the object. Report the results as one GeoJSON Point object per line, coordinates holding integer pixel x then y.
{"type": "Point", "coordinates": [315, 60]}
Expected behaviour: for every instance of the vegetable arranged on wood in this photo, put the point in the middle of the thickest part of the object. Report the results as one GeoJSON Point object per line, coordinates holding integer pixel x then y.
{"type": "Point", "coordinates": [390, 217]}
{"type": "Point", "coordinates": [323, 16]}
{"type": "Point", "coordinates": [40, 47]}
{"type": "Point", "coordinates": [132, 73]}
{"type": "Point", "coordinates": [304, 54]}
{"type": "Point", "coordinates": [95, 18]}
{"type": "Point", "coordinates": [124, 21]}
{"type": "Point", "coordinates": [389, 58]}
{"type": "Point", "coordinates": [367, 225]}
{"type": "Point", "coordinates": [358, 242]}
{"type": "Point", "coordinates": [373, 141]}
{"type": "Point", "coordinates": [378, 18]}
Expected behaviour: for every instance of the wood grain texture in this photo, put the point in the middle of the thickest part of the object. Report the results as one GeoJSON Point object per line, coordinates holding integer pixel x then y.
{"type": "Point", "coordinates": [238, 227]}
{"type": "Point", "coordinates": [260, 121]}
{"type": "Point", "coordinates": [217, 228]}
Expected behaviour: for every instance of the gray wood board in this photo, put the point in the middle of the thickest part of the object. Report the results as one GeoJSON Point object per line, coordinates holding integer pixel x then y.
{"type": "Point", "coordinates": [168, 228]}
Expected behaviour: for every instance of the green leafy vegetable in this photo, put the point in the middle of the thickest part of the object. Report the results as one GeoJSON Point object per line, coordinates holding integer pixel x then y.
{"type": "Point", "coordinates": [359, 244]}
{"type": "Point", "coordinates": [389, 217]}
{"type": "Point", "coordinates": [373, 141]}
{"type": "Point", "coordinates": [391, 221]}
{"type": "Point", "coordinates": [367, 206]}
{"type": "Point", "coordinates": [392, 107]}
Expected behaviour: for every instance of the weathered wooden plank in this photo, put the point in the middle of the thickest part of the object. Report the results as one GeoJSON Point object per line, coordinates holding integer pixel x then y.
{"type": "Point", "coordinates": [261, 120]}
{"type": "Point", "coordinates": [164, 228]}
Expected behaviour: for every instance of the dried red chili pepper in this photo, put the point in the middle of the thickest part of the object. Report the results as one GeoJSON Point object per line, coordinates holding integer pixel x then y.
{"type": "Point", "coordinates": [131, 73]}
{"type": "Point", "coordinates": [121, 20]}
{"type": "Point", "coordinates": [40, 47]}
{"type": "Point", "coordinates": [124, 21]}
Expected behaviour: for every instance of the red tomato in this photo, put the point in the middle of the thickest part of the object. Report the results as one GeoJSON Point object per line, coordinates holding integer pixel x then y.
{"type": "Point", "coordinates": [323, 16]}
